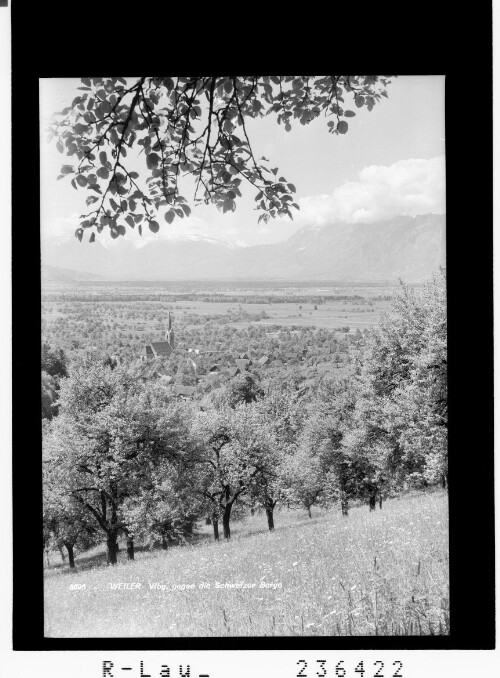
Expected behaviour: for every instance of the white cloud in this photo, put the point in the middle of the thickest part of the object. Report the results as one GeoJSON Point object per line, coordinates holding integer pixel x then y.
{"type": "Point", "coordinates": [407, 187]}
{"type": "Point", "coordinates": [410, 187]}
{"type": "Point", "coordinates": [190, 228]}
{"type": "Point", "coordinates": [62, 227]}
{"type": "Point", "coordinates": [178, 229]}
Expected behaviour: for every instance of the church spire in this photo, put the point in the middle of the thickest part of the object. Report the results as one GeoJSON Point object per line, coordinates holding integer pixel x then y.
{"type": "Point", "coordinates": [170, 332]}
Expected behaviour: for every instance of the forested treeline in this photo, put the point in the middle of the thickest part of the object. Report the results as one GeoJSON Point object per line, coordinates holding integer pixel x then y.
{"type": "Point", "coordinates": [123, 458]}
{"type": "Point", "coordinates": [212, 297]}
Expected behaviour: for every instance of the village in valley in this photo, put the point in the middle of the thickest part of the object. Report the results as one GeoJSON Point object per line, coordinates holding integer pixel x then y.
{"type": "Point", "coordinates": [221, 370]}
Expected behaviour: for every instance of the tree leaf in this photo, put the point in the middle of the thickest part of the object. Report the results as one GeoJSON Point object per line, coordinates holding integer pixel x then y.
{"type": "Point", "coordinates": [92, 237]}
{"type": "Point", "coordinates": [169, 216]}
{"type": "Point", "coordinates": [152, 160]}
{"type": "Point", "coordinates": [342, 127]}
{"type": "Point", "coordinates": [154, 226]}
{"type": "Point", "coordinates": [102, 173]}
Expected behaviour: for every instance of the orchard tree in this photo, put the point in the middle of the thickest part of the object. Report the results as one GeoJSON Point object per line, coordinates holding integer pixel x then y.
{"type": "Point", "coordinates": [164, 509]}
{"type": "Point", "coordinates": [399, 434]}
{"type": "Point", "coordinates": [81, 443]}
{"type": "Point", "coordinates": [244, 388]}
{"type": "Point", "coordinates": [417, 411]}
{"type": "Point", "coordinates": [54, 361]}
{"type": "Point", "coordinates": [49, 396]}
{"type": "Point", "coordinates": [324, 437]}
{"type": "Point", "coordinates": [221, 484]}
{"type": "Point", "coordinates": [110, 431]}
{"type": "Point", "coordinates": [280, 419]}
{"type": "Point", "coordinates": [255, 445]}
{"type": "Point", "coordinates": [131, 142]}
{"type": "Point", "coordinates": [153, 435]}
{"type": "Point", "coordinates": [232, 451]}
{"type": "Point", "coordinates": [65, 523]}
{"type": "Point", "coordinates": [304, 479]}
{"type": "Point", "coordinates": [54, 367]}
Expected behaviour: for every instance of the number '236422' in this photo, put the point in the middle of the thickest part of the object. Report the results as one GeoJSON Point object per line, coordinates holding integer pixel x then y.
{"type": "Point", "coordinates": [377, 670]}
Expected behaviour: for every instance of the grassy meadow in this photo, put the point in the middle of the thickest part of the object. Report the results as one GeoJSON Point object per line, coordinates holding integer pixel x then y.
{"type": "Point", "coordinates": [378, 573]}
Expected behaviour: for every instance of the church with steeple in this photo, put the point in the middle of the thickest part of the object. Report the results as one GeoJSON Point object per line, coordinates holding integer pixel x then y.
{"type": "Point", "coordinates": [160, 349]}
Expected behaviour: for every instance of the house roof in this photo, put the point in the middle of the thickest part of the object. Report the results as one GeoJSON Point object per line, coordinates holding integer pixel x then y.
{"type": "Point", "coordinates": [264, 360]}
{"type": "Point", "coordinates": [161, 347]}
{"type": "Point", "coordinates": [183, 390]}
{"type": "Point", "coordinates": [234, 371]}
{"type": "Point", "coordinates": [243, 364]}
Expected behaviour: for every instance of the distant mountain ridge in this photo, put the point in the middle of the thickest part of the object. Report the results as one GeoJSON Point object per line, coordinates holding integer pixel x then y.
{"type": "Point", "coordinates": [57, 274]}
{"type": "Point", "coordinates": [408, 247]}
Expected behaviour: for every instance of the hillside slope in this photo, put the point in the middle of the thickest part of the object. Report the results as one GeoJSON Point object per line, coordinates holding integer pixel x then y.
{"type": "Point", "coordinates": [365, 574]}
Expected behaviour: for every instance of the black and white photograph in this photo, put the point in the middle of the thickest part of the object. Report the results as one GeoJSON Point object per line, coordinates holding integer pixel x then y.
{"type": "Point", "coordinates": [244, 364]}
{"type": "Point", "coordinates": [256, 313]}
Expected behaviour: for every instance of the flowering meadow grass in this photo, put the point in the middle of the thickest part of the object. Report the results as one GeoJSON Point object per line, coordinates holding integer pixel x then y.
{"type": "Point", "coordinates": [378, 573]}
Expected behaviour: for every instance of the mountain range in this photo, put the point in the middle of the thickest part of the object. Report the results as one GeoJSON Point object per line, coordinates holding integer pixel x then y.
{"type": "Point", "coordinates": [407, 247]}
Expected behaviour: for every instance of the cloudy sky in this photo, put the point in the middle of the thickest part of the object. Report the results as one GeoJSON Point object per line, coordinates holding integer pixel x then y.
{"type": "Point", "coordinates": [390, 162]}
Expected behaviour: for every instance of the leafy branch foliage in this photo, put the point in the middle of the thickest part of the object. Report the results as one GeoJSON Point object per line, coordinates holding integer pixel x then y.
{"type": "Point", "coordinates": [170, 128]}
